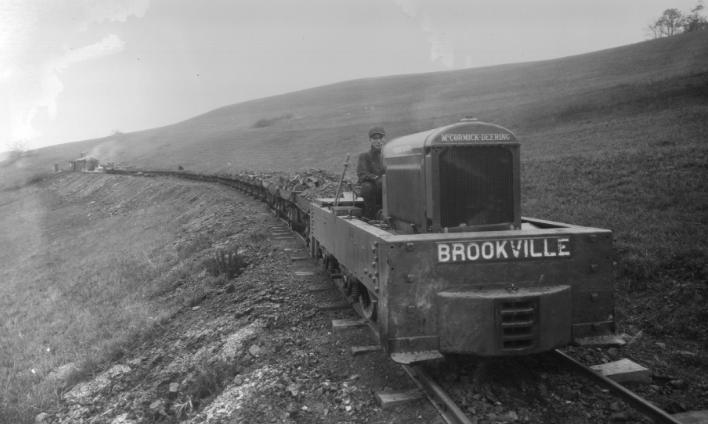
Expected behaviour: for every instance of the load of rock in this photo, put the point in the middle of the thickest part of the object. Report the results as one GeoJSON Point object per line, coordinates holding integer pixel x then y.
{"type": "Point", "coordinates": [310, 183]}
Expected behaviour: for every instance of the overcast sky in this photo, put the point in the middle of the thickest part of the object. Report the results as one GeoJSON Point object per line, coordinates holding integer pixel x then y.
{"type": "Point", "coordinates": [78, 69]}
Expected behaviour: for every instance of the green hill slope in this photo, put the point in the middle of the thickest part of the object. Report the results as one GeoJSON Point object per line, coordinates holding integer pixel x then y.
{"type": "Point", "coordinates": [317, 127]}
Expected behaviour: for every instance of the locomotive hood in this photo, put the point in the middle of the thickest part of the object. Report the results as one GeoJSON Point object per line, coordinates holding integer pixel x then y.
{"type": "Point", "coordinates": [465, 132]}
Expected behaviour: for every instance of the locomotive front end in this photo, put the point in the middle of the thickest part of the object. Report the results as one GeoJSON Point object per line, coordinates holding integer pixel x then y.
{"type": "Point", "coordinates": [463, 271]}
{"type": "Point", "coordinates": [496, 293]}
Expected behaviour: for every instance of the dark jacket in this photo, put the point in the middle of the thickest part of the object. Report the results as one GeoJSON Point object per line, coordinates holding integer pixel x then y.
{"type": "Point", "coordinates": [370, 166]}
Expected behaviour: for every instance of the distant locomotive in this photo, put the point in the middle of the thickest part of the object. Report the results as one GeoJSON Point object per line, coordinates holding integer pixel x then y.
{"type": "Point", "coordinates": [453, 267]}
{"type": "Point", "coordinates": [456, 268]}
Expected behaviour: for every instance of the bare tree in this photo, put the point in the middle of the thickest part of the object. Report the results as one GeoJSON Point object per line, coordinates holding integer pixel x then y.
{"type": "Point", "coordinates": [694, 21]}
{"type": "Point", "coordinates": [669, 23]}
{"type": "Point", "coordinates": [673, 22]}
{"type": "Point", "coordinates": [14, 150]}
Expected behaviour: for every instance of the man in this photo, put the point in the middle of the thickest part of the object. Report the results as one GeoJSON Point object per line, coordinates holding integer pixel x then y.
{"type": "Point", "coordinates": [369, 170]}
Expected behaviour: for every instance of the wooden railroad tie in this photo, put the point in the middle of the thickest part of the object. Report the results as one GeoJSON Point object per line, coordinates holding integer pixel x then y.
{"type": "Point", "coordinates": [624, 370]}
{"type": "Point", "coordinates": [299, 258]}
{"type": "Point", "coordinates": [360, 350]}
{"type": "Point", "coordinates": [319, 288]}
{"type": "Point", "coordinates": [335, 306]}
{"type": "Point", "coordinates": [346, 324]}
{"type": "Point", "coordinates": [389, 400]}
{"type": "Point", "coordinates": [692, 417]}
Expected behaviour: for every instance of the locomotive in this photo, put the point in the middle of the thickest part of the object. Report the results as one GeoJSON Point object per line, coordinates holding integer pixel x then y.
{"type": "Point", "coordinates": [453, 267]}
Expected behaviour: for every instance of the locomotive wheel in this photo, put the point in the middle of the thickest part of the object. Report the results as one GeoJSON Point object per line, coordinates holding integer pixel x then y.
{"type": "Point", "coordinates": [315, 250]}
{"type": "Point", "coordinates": [329, 264]}
{"type": "Point", "coordinates": [294, 219]}
{"type": "Point", "coordinates": [356, 289]}
{"type": "Point", "coordinates": [347, 285]}
{"type": "Point", "coordinates": [368, 303]}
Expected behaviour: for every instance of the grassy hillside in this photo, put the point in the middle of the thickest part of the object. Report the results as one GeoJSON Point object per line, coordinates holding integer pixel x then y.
{"type": "Point", "coordinates": [92, 265]}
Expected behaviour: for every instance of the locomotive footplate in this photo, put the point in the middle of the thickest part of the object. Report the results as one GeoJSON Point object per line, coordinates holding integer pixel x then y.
{"type": "Point", "coordinates": [492, 322]}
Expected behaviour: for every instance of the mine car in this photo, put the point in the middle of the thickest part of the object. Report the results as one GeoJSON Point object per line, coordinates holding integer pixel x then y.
{"type": "Point", "coordinates": [453, 267]}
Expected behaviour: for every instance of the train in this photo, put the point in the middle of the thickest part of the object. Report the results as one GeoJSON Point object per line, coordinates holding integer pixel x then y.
{"type": "Point", "coordinates": [452, 267]}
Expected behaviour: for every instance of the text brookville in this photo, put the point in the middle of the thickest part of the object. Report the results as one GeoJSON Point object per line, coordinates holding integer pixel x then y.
{"type": "Point", "coordinates": [507, 249]}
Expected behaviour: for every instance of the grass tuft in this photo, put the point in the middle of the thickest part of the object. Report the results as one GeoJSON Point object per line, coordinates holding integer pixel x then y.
{"type": "Point", "coordinates": [210, 378]}
{"type": "Point", "coordinates": [267, 122]}
{"type": "Point", "coordinates": [229, 262]}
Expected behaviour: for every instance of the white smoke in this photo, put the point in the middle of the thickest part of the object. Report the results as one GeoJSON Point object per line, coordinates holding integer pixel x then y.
{"type": "Point", "coordinates": [116, 10]}
{"type": "Point", "coordinates": [107, 46]}
{"type": "Point", "coordinates": [33, 53]}
{"type": "Point", "coordinates": [442, 42]}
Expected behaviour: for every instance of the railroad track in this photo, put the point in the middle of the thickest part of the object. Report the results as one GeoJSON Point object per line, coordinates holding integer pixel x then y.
{"type": "Point", "coordinates": [603, 391]}
{"type": "Point", "coordinates": [452, 413]}
{"type": "Point", "coordinates": [644, 406]}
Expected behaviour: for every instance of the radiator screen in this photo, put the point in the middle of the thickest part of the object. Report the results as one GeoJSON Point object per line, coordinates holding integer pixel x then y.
{"type": "Point", "coordinates": [476, 185]}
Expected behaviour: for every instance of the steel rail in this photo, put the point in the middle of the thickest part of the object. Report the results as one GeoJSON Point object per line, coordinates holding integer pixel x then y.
{"type": "Point", "coordinates": [445, 406]}
{"type": "Point", "coordinates": [640, 404]}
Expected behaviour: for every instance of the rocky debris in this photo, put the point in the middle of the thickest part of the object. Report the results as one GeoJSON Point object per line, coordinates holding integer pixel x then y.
{"type": "Point", "coordinates": [255, 351]}
{"type": "Point", "coordinates": [308, 183]}
{"type": "Point", "coordinates": [677, 383]}
{"type": "Point", "coordinates": [235, 341]}
{"type": "Point", "coordinates": [158, 407]}
{"type": "Point", "coordinates": [123, 419]}
{"type": "Point", "coordinates": [231, 400]}
{"type": "Point", "coordinates": [314, 183]}
{"type": "Point", "coordinates": [174, 387]}
{"type": "Point", "coordinates": [534, 389]}
{"type": "Point", "coordinates": [83, 392]}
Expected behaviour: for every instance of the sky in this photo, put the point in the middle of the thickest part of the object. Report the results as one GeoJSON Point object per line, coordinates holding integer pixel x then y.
{"type": "Point", "coordinates": [78, 69]}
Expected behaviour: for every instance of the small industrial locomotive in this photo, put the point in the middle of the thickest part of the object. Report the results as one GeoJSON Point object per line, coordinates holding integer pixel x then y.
{"type": "Point", "coordinates": [453, 267]}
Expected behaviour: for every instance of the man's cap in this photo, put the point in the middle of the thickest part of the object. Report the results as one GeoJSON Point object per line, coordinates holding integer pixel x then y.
{"type": "Point", "coordinates": [377, 130]}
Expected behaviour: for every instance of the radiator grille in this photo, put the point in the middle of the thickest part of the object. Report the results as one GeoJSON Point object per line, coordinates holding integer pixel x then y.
{"type": "Point", "coordinates": [476, 185]}
{"type": "Point", "coordinates": [517, 323]}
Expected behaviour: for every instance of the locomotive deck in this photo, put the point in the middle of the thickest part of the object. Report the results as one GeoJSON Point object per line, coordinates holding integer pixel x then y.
{"type": "Point", "coordinates": [457, 293]}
